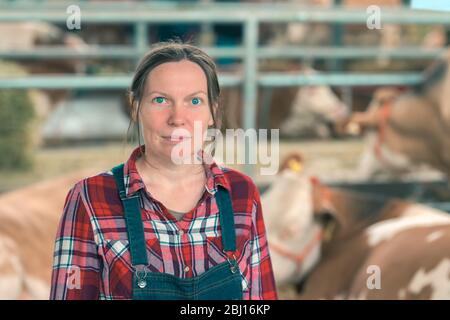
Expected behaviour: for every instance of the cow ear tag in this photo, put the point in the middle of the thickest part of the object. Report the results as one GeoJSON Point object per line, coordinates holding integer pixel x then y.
{"type": "Point", "coordinates": [329, 231]}
{"type": "Point", "coordinates": [295, 165]}
{"type": "Point", "coordinates": [354, 128]}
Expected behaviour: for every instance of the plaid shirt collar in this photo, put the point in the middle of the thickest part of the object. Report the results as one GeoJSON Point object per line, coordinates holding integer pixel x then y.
{"type": "Point", "coordinates": [134, 183]}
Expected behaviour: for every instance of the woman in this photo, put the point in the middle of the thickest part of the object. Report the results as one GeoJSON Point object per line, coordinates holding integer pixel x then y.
{"type": "Point", "coordinates": [157, 227]}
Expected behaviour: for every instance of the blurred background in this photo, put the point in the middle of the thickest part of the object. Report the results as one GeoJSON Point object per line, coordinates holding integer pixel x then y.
{"type": "Point", "coordinates": [317, 70]}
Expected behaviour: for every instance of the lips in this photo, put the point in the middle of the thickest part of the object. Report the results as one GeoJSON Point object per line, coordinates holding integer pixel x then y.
{"type": "Point", "coordinates": [176, 138]}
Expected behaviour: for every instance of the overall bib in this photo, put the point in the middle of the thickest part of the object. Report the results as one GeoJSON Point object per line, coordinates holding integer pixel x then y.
{"type": "Point", "coordinates": [221, 282]}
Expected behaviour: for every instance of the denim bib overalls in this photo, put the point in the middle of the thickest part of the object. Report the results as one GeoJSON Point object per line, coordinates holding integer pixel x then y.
{"type": "Point", "coordinates": [221, 282]}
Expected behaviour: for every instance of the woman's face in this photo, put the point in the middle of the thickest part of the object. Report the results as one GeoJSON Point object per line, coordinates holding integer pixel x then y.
{"type": "Point", "coordinates": [175, 97]}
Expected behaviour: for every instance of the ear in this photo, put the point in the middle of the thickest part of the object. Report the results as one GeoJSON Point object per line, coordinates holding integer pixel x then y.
{"type": "Point", "coordinates": [211, 118]}
{"type": "Point", "coordinates": [210, 122]}
{"type": "Point", "coordinates": [325, 213]}
{"type": "Point", "coordinates": [134, 111]}
{"type": "Point", "coordinates": [294, 162]}
{"type": "Point", "coordinates": [328, 222]}
{"type": "Point", "coordinates": [133, 107]}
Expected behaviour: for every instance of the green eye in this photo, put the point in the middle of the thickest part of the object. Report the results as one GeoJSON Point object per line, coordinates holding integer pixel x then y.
{"type": "Point", "coordinates": [196, 101]}
{"type": "Point", "coordinates": [159, 99]}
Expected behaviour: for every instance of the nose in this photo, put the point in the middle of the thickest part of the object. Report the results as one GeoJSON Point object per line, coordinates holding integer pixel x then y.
{"type": "Point", "coordinates": [176, 117]}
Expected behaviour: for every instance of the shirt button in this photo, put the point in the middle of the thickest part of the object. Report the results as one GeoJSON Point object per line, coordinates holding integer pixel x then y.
{"type": "Point", "coordinates": [181, 232]}
{"type": "Point", "coordinates": [186, 269]}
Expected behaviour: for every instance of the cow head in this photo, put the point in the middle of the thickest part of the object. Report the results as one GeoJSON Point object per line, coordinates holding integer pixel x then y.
{"type": "Point", "coordinates": [320, 100]}
{"type": "Point", "coordinates": [298, 218]}
{"type": "Point", "coordinates": [359, 122]}
{"type": "Point", "coordinates": [315, 110]}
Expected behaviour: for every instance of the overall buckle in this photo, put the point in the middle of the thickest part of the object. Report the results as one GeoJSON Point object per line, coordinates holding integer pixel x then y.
{"type": "Point", "coordinates": [141, 274]}
{"type": "Point", "coordinates": [233, 265]}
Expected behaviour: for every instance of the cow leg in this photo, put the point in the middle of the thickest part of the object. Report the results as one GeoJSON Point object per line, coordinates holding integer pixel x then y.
{"type": "Point", "coordinates": [11, 270]}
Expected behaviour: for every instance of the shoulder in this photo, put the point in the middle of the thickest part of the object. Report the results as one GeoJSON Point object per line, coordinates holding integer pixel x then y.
{"type": "Point", "coordinates": [97, 188]}
{"type": "Point", "coordinates": [95, 181]}
{"type": "Point", "coordinates": [240, 183]}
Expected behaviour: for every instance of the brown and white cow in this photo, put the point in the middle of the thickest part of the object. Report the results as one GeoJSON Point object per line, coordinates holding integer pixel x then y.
{"type": "Point", "coordinates": [407, 129]}
{"type": "Point", "coordinates": [28, 222]}
{"type": "Point", "coordinates": [347, 245]}
{"type": "Point", "coordinates": [390, 36]}
{"type": "Point", "coordinates": [28, 36]}
{"type": "Point", "coordinates": [313, 108]}
{"type": "Point", "coordinates": [306, 111]}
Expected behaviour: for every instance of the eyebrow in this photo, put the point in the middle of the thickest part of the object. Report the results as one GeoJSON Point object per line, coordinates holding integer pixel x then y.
{"type": "Point", "coordinates": [166, 94]}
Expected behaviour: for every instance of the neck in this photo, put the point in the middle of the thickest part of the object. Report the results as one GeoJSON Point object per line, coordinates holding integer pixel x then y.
{"type": "Point", "coordinates": [355, 210]}
{"type": "Point", "coordinates": [162, 171]}
{"type": "Point", "coordinates": [300, 260]}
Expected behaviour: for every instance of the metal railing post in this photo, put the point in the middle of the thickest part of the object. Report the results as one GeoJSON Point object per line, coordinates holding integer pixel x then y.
{"type": "Point", "coordinates": [140, 39]}
{"type": "Point", "coordinates": [250, 87]}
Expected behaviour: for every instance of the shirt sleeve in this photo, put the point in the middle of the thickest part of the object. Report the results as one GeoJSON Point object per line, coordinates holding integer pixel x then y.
{"type": "Point", "coordinates": [76, 264]}
{"type": "Point", "coordinates": [262, 282]}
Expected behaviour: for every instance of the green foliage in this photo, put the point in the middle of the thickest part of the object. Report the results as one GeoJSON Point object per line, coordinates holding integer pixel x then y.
{"type": "Point", "coordinates": [16, 116]}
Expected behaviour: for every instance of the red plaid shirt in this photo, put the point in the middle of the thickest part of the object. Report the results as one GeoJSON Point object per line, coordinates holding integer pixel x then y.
{"type": "Point", "coordinates": [92, 258]}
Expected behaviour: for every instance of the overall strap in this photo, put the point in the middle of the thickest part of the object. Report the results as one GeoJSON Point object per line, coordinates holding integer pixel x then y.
{"type": "Point", "coordinates": [226, 219]}
{"type": "Point", "coordinates": [132, 212]}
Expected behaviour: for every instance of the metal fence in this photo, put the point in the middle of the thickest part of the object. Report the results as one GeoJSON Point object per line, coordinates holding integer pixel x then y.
{"type": "Point", "coordinates": [143, 15]}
